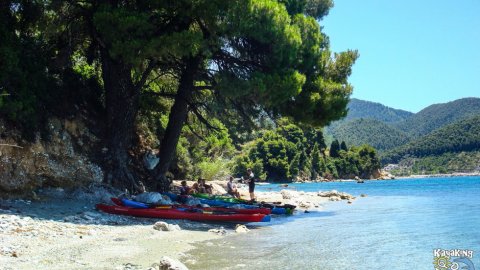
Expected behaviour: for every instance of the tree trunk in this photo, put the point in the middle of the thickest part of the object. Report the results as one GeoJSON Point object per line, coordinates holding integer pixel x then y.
{"type": "Point", "coordinates": [176, 120]}
{"type": "Point", "coordinates": [122, 104]}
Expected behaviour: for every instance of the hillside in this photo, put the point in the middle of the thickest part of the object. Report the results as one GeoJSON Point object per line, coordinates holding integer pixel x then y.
{"type": "Point", "coordinates": [439, 115]}
{"type": "Point", "coordinates": [461, 162]}
{"type": "Point", "coordinates": [369, 131]}
{"type": "Point", "coordinates": [371, 110]}
{"type": "Point", "coordinates": [369, 123]}
{"type": "Point", "coordinates": [463, 135]}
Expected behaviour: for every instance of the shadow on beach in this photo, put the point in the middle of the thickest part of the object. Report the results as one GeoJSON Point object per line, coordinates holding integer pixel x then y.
{"type": "Point", "coordinates": [78, 207]}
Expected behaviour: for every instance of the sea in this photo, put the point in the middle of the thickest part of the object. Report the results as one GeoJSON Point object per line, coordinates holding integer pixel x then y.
{"type": "Point", "coordinates": [415, 224]}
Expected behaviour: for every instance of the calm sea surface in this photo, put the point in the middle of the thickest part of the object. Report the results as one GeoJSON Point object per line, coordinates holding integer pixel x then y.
{"type": "Point", "coordinates": [397, 226]}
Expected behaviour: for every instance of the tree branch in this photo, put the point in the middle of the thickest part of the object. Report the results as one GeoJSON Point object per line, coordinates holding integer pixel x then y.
{"type": "Point", "coordinates": [202, 119]}
{"type": "Point", "coordinates": [11, 145]}
{"type": "Point", "coordinates": [194, 132]}
{"type": "Point", "coordinates": [146, 73]}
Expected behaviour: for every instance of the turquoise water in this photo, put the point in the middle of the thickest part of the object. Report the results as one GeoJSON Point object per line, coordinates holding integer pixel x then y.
{"type": "Point", "coordinates": [397, 226]}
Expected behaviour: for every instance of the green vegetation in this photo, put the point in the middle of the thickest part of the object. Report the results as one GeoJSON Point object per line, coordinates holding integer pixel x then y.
{"type": "Point", "coordinates": [461, 136]}
{"type": "Point", "coordinates": [371, 110]}
{"type": "Point", "coordinates": [445, 163]}
{"type": "Point", "coordinates": [427, 142]}
{"type": "Point", "coordinates": [286, 153]}
{"type": "Point", "coordinates": [369, 131]}
{"type": "Point", "coordinates": [439, 115]}
{"type": "Point", "coordinates": [193, 81]}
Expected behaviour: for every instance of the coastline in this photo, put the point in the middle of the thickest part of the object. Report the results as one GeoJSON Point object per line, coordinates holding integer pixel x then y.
{"type": "Point", "coordinates": [67, 233]}
{"type": "Point", "coordinates": [64, 231]}
{"type": "Point", "coordinates": [438, 175]}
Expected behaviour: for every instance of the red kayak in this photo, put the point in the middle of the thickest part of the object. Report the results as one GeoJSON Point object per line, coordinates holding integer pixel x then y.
{"type": "Point", "coordinates": [180, 214]}
{"type": "Point", "coordinates": [265, 211]}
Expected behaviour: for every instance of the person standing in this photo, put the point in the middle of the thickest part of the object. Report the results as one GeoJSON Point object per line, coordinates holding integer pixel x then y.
{"type": "Point", "coordinates": [251, 184]}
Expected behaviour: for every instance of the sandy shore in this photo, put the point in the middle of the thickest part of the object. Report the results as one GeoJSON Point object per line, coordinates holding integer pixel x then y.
{"type": "Point", "coordinates": [63, 231]}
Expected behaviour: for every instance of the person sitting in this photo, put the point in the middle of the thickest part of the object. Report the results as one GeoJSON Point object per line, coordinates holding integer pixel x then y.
{"type": "Point", "coordinates": [195, 188]}
{"type": "Point", "coordinates": [232, 188]}
{"type": "Point", "coordinates": [208, 188]}
{"type": "Point", "coordinates": [184, 189]}
{"type": "Point", "coordinates": [201, 186]}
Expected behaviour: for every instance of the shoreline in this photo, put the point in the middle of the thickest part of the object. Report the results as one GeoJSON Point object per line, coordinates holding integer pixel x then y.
{"type": "Point", "coordinates": [439, 175]}
{"type": "Point", "coordinates": [62, 230]}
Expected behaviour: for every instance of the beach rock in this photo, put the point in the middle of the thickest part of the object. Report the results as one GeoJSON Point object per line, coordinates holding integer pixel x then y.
{"type": "Point", "coordinates": [241, 228]}
{"type": "Point", "coordinates": [219, 231]}
{"type": "Point", "coordinates": [167, 263]}
{"type": "Point", "coordinates": [287, 194]}
{"type": "Point", "coordinates": [304, 204]}
{"type": "Point", "coordinates": [60, 161]}
{"type": "Point", "coordinates": [92, 215]}
{"type": "Point", "coordinates": [349, 202]}
{"type": "Point", "coordinates": [217, 189]}
{"type": "Point", "coordinates": [335, 193]}
{"type": "Point", "coordinates": [163, 226]}
{"type": "Point", "coordinates": [335, 198]}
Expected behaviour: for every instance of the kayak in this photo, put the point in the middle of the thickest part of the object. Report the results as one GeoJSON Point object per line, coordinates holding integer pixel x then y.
{"type": "Point", "coordinates": [133, 204]}
{"type": "Point", "coordinates": [217, 198]}
{"type": "Point", "coordinates": [181, 214]}
{"type": "Point", "coordinates": [276, 209]}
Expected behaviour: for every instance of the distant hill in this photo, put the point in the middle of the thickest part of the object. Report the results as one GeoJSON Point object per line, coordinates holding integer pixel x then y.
{"type": "Point", "coordinates": [461, 136]}
{"type": "Point", "coordinates": [369, 131]}
{"type": "Point", "coordinates": [371, 110]}
{"type": "Point", "coordinates": [441, 138]}
{"type": "Point", "coordinates": [386, 128]}
{"type": "Point", "coordinates": [439, 115]}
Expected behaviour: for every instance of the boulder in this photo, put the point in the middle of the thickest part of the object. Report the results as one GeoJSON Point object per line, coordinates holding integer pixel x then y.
{"type": "Point", "coordinates": [60, 161]}
{"type": "Point", "coordinates": [335, 198]}
{"type": "Point", "coordinates": [335, 194]}
{"type": "Point", "coordinates": [219, 231]}
{"type": "Point", "coordinates": [241, 228]}
{"type": "Point", "coordinates": [287, 194]}
{"type": "Point", "coordinates": [217, 189]}
{"type": "Point", "coordinates": [167, 263]}
{"type": "Point", "coordinates": [305, 204]}
{"type": "Point", "coordinates": [163, 226]}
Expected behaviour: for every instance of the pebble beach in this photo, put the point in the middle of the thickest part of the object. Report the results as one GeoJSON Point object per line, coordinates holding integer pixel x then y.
{"type": "Point", "coordinates": [62, 230]}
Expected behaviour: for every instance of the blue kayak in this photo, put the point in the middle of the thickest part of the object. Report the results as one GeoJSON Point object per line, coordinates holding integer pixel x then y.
{"type": "Point", "coordinates": [133, 204]}
{"type": "Point", "coordinates": [217, 203]}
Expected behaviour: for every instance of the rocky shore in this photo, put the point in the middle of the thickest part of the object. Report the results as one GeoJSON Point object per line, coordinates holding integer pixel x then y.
{"type": "Point", "coordinates": [62, 230]}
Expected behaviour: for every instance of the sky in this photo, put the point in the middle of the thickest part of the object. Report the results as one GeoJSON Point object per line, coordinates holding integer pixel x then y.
{"type": "Point", "coordinates": [413, 53]}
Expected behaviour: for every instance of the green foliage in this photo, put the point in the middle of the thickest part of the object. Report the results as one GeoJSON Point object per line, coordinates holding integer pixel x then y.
{"type": "Point", "coordinates": [460, 162]}
{"type": "Point", "coordinates": [439, 115]}
{"type": "Point", "coordinates": [371, 110]}
{"type": "Point", "coordinates": [369, 131]}
{"type": "Point", "coordinates": [255, 58]}
{"type": "Point", "coordinates": [318, 162]}
{"type": "Point", "coordinates": [334, 149]}
{"type": "Point", "coordinates": [24, 81]}
{"type": "Point", "coordinates": [463, 135]}
{"type": "Point", "coordinates": [286, 153]}
{"type": "Point", "coordinates": [343, 146]}
{"type": "Point", "coordinates": [210, 170]}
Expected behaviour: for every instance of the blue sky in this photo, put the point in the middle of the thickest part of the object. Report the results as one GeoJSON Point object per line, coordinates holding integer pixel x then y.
{"type": "Point", "coordinates": [412, 53]}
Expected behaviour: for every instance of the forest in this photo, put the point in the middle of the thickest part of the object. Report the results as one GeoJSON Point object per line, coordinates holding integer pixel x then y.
{"type": "Point", "coordinates": [205, 87]}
